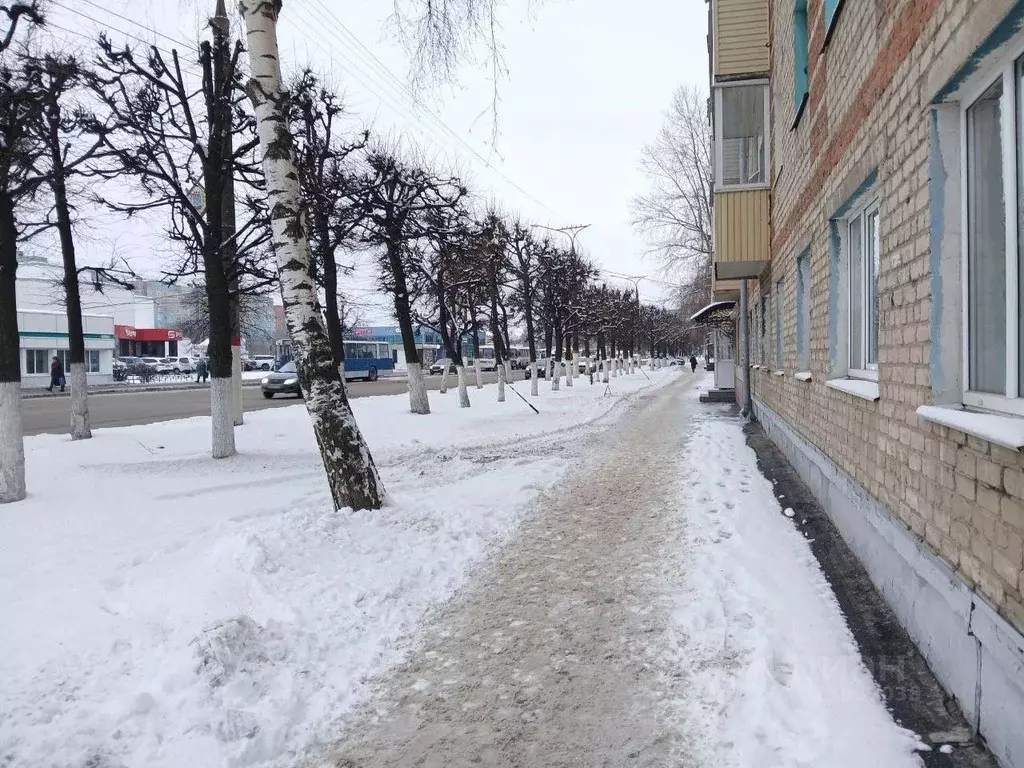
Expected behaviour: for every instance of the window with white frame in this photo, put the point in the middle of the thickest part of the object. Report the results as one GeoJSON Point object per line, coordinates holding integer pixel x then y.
{"type": "Point", "coordinates": [992, 177]}
{"type": "Point", "coordinates": [92, 361]}
{"type": "Point", "coordinates": [763, 335]}
{"type": "Point", "coordinates": [778, 326]}
{"type": "Point", "coordinates": [65, 360]}
{"type": "Point", "coordinates": [863, 244]}
{"type": "Point", "coordinates": [803, 310]}
{"type": "Point", "coordinates": [37, 361]}
{"type": "Point", "coordinates": [741, 135]}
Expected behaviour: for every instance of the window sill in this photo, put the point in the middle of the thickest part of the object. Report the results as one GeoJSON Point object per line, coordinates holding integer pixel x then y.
{"type": "Point", "coordinates": [802, 376]}
{"type": "Point", "coordinates": [1007, 431]}
{"type": "Point", "coordinates": [723, 188]}
{"type": "Point", "coordinates": [865, 390]}
{"type": "Point", "coordinates": [779, 373]}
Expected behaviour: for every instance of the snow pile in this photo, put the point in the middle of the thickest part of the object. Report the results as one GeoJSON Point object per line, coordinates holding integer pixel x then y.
{"type": "Point", "coordinates": [775, 675]}
{"type": "Point", "coordinates": [163, 609]}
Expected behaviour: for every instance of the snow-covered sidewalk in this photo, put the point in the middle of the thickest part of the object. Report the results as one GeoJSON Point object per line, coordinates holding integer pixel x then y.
{"type": "Point", "coordinates": [163, 609]}
{"type": "Point", "coordinates": [657, 609]}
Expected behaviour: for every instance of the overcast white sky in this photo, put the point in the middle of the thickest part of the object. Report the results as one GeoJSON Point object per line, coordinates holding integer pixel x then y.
{"type": "Point", "coordinates": [586, 84]}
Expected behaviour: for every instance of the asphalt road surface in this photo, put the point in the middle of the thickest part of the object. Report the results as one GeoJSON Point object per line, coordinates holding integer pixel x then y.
{"type": "Point", "coordinates": [50, 415]}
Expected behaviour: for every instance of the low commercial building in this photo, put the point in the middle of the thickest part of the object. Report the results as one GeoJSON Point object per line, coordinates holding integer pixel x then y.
{"type": "Point", "coordinates": [43, 335]}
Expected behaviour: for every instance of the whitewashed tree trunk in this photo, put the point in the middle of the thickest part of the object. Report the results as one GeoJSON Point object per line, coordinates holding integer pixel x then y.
{"type": "Point", "coordinates": [501, 383]}
{"type": "Point", "coordinates": [460, 371]}
{"type": "Point", "coordinates": [479, 374]}
{"type": "Point", "coordinates": [556, 376]}
{"type": "Point", "coordinates": [236, 383]}
{"type": "Point", "coordinates": [570, 371]}
{"type": "Point", "coordinates": [12, 443]}
{"type": "Point", "coordinates": [508, 370]}
{"type": "Point", "coordinates": [351, 473]}
{"type": "Point", "coordinates": [615, 368]}
{"type": "Point", "coordinates": [604, 371]}
{"type": "Point", "coordinates": [79, 403]}
{"type": "Point", "coordinates": [551, 368]}
{"type": "Point", "coordinates": [222, 411]}
{"type": "Point", "coordinates": [418, 400]}
{"type": "Point", "coordinates": [534, 383]}
{"type": "Point", "coordinates": [444, 379]}
{"type": "Point", "coordinates": [574, 368]}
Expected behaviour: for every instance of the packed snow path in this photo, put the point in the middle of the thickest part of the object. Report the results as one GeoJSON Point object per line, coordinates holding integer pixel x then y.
{"type": "Point", "coordinates": [626, 625]}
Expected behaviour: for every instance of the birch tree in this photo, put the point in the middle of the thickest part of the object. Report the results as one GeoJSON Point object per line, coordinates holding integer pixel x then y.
{"type": "Point", "coordinates": [351, 472]}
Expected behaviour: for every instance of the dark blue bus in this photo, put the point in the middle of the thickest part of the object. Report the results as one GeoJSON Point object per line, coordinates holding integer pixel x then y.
{"type": "Point", "coordinates": [367, 359]}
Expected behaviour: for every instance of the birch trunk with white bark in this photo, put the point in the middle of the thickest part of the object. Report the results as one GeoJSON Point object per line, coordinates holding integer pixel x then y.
{"type": "Point", "coordinates": [12, 443]}
{"type": "Point", "coordinates": [534, 384]}
{"type": "Point", "coordinates": [236, 383]}
{"type": "Point", "coordinates": [79, 403]}
{"type": "Point", "coordinates": [418, 400]}
{"type": "Point", "coordinates": [460, 371]}
{"type": "Point", "coordinates": [351, 473]}
{"type": "Point", "coordinates": [222, 409]}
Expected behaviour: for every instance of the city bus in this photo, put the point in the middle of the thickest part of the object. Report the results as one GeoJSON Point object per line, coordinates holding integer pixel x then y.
{"type": "Point", "coordinates": [367, 359]}
{"type": "Point", "coordinates": [363, 359]}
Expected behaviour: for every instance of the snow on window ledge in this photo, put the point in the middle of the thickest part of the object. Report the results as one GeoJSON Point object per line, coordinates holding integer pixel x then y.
{"type": "Point", "coordinates": [866, 390]}
{"type": "Point", "coordinates": [1007, 431]}
{"type": "Point", "coordinates": [780, 373]}
{"type": "Point", "coordinates": [802, 376]}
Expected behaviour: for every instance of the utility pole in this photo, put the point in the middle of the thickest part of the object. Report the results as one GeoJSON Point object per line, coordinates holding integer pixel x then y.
{"type": "Point", "coordinates": [570, 232]}
{"type": "Point", "coordinates": [222, 69]}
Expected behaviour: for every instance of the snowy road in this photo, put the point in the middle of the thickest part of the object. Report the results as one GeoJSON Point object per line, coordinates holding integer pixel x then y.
{"type": "Point", "coordinates": [657, 609]}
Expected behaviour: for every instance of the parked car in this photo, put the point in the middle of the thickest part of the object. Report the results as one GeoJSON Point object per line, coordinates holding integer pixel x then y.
{"type": "Point", "coordinates": [542, 368]}
{"type": "Point", "coordinates": [248, 364]}
{"type": "Point", "coordinates": [157, 365]}
{"type": "Point", "coordinates": [282, 382]}
{"type": "Point", "coordinates": [180, 364]}
{"type": "Point", "coordinates": [264, 362]}
{"type": "Point", "coordinates": [440, 365]}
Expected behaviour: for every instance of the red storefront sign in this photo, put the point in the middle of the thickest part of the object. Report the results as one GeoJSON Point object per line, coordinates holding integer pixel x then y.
{"type": "Point", "coordinates": [147, 334]}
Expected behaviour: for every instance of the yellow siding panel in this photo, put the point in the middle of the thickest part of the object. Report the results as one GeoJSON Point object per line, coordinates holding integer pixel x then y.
{"type": "Point", "coordinates": [741, 37]}
{"type": "Point", "coordinates": [741, 226]}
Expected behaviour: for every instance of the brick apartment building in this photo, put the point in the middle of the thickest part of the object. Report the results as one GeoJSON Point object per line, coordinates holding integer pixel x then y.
{"type": "Point", "coordinates": [869, 225]}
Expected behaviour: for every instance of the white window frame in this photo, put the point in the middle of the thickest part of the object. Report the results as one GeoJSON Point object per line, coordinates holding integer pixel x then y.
{"type": "Point", "coordinates": [860, 369]}
{"type": "Point", "coordinates": [47, 354]}
{"type": "Point", "coordinates": [1011, 401]}
{"type": "Point", "coordinates": [777, 320]}
{"type": "Point", "coordinates": [718, 142]}
{"type": "Point", "coordinates": [90, 355]}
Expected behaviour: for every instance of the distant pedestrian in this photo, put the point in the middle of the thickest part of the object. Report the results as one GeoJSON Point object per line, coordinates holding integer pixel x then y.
{"type": "Point", "coordinates": [202, 371]}
{"type": "Point", "coordinates": [693, 363]}
{"type": "Point", "coordinates": [56, 375]}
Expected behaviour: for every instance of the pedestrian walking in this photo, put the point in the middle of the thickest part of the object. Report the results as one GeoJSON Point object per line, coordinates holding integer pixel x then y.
{"type": "Point", "coordinates": [56, 375]}
{"type": "Point", "coordinates": [202, 371]}
{"type": "Point", "coordinates": [693, 363]}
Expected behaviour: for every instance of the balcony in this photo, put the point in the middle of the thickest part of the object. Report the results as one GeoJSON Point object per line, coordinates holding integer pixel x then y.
{"type": "Point", "coordinates": [725, 290]}
{"type": "Point", "coordinates": [742, 247]}
{"type": "Point", "coordinates": [740, 41]}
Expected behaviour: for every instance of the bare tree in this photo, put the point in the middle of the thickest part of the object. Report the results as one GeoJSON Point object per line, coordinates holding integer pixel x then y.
{"type": "Point", "coordinates": [20, 104]}
{"type": "Point", "coordinates": [330, 188]}
{"type": "Point", "coordinates": [675, 214]}
{"type": "Point", "coordinates": [185, 144]}
{"type": "Point", "coordinates": [400, 197]}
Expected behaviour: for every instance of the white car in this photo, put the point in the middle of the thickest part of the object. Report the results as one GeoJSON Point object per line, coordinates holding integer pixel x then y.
{"type": "Point", "coordinates": [264, 362]}
{"type": "Point", "coordinates": [180, 364]}
{"type": "Point", "coordinates": [157, 365]}
{"type": "Point", "coordinates": [486, 364]}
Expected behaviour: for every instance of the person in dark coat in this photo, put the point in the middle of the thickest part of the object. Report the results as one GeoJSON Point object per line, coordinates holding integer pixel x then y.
{"type": "Point", "coordinates": [693, 364]}
{"type": "Point", "coordinates": [56, 374]}
{"type": "Point", "coordinates": [202, 371]}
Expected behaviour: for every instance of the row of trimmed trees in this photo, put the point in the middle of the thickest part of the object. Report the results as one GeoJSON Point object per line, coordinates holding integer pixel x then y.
{"type": "Point", "coordinates": [259, 187]}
